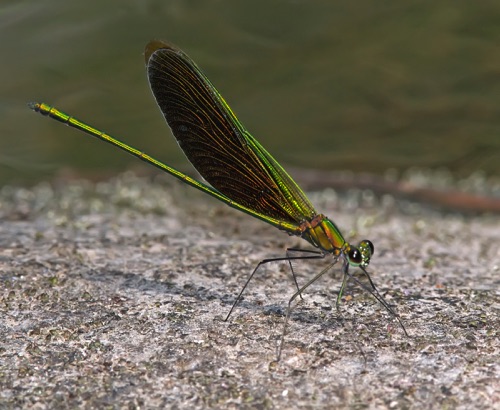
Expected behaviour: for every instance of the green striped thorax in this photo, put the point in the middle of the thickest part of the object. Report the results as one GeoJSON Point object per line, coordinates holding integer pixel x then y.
{"type": "Point", "coordinates": [322, 233]}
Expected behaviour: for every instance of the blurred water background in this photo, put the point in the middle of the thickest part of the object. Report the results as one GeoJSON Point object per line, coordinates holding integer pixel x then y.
{"type": "Point", "coordinates": [362, 86]}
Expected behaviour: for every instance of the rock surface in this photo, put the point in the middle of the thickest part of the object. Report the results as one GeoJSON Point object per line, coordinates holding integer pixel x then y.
{"type": "Point", "coordinates": [114, 294]}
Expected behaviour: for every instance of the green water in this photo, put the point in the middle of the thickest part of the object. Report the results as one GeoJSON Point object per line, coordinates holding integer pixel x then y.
{"type": "Point", "coordinates": [362, 86]}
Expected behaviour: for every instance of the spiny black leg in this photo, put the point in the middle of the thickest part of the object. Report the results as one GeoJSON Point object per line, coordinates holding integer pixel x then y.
{"type": "Point", "coordinates": [317, 255]}
{"type": "Point", "coordinates": [376, 294]}
{"type": "Point", "coordinates": [289, 308]}
{"type": "Point", "coordinates": [345, 268]}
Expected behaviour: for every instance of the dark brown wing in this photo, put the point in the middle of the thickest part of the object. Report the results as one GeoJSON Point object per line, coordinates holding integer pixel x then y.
{"type": "Point", "coordinates": [216, 143]}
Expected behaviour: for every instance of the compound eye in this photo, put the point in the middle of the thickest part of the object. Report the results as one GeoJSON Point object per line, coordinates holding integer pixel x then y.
{"type": "Point", "coordinates": [364, 245]}
{"type": "Point", "coordinates": [370, 245]}
{"type": "Point", "coordinates": [354, 256]}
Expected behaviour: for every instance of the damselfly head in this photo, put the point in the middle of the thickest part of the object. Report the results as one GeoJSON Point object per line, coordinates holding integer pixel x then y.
{"type": "Point", "coordinates": [361, 255]}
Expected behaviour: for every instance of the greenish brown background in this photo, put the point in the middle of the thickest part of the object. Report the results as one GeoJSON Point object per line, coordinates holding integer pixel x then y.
{"type": "Point", "coordinates": [362, 85]}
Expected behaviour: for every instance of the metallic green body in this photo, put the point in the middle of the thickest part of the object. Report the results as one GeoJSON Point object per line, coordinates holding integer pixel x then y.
{"type": "Point", "coordinates": [241, 173]}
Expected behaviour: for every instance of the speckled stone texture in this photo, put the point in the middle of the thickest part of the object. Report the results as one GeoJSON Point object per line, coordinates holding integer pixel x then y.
{"type": "Point", "coordinates": [113, 296]}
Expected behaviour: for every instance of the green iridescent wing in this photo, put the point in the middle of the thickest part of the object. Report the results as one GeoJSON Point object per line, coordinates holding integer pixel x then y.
{"type": "Point", "coordinates": [217, 144]}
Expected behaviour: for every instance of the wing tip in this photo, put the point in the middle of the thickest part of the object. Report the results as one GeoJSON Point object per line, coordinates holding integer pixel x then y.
{"type": "Point", "coordinates": [155, 45]}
